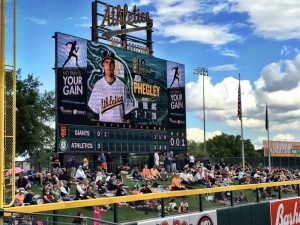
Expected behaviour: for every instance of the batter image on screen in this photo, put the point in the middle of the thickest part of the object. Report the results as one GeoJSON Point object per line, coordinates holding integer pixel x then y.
{"type": "Point", "coordinates": [110, 98]}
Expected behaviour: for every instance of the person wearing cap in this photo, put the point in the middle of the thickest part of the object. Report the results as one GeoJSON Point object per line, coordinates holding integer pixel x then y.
{"type": "Point", "coordinates": [19, 197]}
{"type": "Point", "coordinates": [110, 97]}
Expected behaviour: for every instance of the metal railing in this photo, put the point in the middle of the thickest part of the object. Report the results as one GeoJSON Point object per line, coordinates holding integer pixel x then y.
{"type": "Point", "coordinates": [160, 195]}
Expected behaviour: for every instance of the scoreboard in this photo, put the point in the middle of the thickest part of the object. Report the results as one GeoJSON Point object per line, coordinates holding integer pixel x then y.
{"type": "Point", "coordinates": [141, 111]}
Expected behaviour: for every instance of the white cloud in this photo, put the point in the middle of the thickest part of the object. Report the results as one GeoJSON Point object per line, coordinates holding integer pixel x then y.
{"type": "Point", "coordinates": [182, 21]}
{"type": "Point", "coordinates": [280, 76]}
{"type": "Point", "coordinates": [226, 67]}
{"type": "Point", "coordinates": [213, 34]}
{"type": "Point", "coordinates": [273, 87]}
{"type": "Point", "coordinates": [197, 134]}
{"type": "Point", "coordinates": [286, 49]}
{"type": "Point", "coordinates": [37, 21]}
{"type": "Point", "coordinates": [284, 137]}
{"type": "Point", "coordinates": [229, 52]}
{"type": "Point", "coordinates": [271, 19]}
{"type": "Point", "coordinates": [221, 100]}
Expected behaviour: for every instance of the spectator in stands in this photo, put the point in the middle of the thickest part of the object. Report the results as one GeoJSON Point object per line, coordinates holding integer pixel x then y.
{"type": "Point", "coordinates": [185, 179]}
{"type": "Point", "coordinates": [219, 197]}
{"type": "Point", "coordinates": [56, 193]}
{"type": "Point", "coordinates": [23, 182]}
{"type": "Point", "coordinates": [89, 194]}
{"type": "Point", "coordinates": [34, 176]}
{"type": "Point", "coordinates": [79, 219]}
{"type": "Point", "coordinates": [186, 159]}
{"type": "Point", "coordinates": [73, 165]}
{"type": "Point", "coordinates": [63, 174]}
{"type": "Point", "coordinates": [172, 205]}
{"type": "Point", "coordinates": [168, 164]}
{"type": "Point", "coordinates": [102, 158]}
{"type": "Point", "coordinates": [184, 206]}
{"type": "Point", "coordinates": [136, 185]}
{"type": "Point", "coordinates": [112, 183]}
{"type": "Point", "coordinates": [145, 189]}
{"type": "Point", "coordinates": [85, 165]}
{"type": "Point", "coordinates": [29, 196]}
{"type": "Point", "coordinates": [109, 162]}
{"type": "Point", "coordinates": [241, 197]}
{"type": "Point", "coordinates": [173, 164]}
{"type": "Point", "coordinates": [48, 180]}
{"type": "Point", "coordinates": [192, 160]}
{"type": "Point", "coordinates": [176, 183]}
{"type": "Point", "coordinates": [162, 168]}
{"type": "Point", "coordinates": [146, 173]}
{"type": "Point", "coordinates": [119, 178]}
{"type": "Point", "coordinates": [154, 172]}
{"type": "Point", "coordinates": [125, 169]}
{"type": "Point", "coordinates": [55, 179]}
{"type": "Point", "coordinates": [65, 191]}
{"type": "Point", "coordinates": [81, 188]}
{"type": "Point", "coordinates": [156, 158]}
{"type": "Point", "coordinates": [136, 174]}
{"type": "Point", "coordinates": [48, 196]}
{"type": "Point", "coordinates": [55, 163]}
{"type": "Point", "coordinates": [19, 198]}
{"type": "Point", "coordinates": [226, 181]}
{"type": "Point", "coordinates": [120, 192]}
{"type": "Point", "coordinates": [80, 174]}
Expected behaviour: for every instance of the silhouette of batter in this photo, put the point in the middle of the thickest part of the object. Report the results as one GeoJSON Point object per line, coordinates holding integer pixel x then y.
{"type": "Point", "coordinates": [176, 75]}
{"type": "Point", "coordinates": [71, 53]}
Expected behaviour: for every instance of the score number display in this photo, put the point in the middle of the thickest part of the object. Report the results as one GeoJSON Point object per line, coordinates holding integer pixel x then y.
{"type": "Point", "coordinates": [89, 140]}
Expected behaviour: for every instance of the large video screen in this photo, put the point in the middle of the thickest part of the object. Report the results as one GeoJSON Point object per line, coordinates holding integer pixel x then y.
{"type": "Point", "coordinates": [109, 98]}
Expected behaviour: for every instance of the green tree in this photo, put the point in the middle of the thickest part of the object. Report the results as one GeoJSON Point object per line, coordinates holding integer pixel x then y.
{"type": "Point", "coordinates": [35, 113]}
{"type": "Point", "coordinates": [225, 145]}
{"type": "Point", "coordinates": [196, 148]}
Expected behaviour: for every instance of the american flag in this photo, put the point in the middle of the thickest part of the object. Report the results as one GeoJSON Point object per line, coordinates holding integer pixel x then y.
{"type": "Point", "coordinates": [239, 101]}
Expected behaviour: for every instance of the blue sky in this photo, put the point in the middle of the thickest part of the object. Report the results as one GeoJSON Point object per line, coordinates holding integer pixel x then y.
{"type": "Point", "coordinates": [258, 39]}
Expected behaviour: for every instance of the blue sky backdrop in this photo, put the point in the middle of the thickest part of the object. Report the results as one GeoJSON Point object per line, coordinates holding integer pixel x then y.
{"type": "Point", "coordinates": [258, 39]}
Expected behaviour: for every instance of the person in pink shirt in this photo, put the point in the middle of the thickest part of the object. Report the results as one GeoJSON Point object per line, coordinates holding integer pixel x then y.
{"type": "Point", "coordinates": [97, 215]}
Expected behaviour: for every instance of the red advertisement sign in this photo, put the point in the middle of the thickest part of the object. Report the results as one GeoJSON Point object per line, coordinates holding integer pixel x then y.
{"type": "Point", "coordinates": [285, 212]}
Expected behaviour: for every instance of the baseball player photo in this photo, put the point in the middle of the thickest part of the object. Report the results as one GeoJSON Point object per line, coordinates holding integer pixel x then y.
{"type": "Point", "coordinates": [109, 97]}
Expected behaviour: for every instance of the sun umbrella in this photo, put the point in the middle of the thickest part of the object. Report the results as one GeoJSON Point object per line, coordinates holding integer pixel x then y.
{"type": "Point", "coordinates": [17, 170]}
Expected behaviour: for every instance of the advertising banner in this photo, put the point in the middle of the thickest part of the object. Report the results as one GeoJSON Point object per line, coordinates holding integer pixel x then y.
{"type": "Point", "coordinates": [285, 211]}
{"type": "Point", "coordinates": [282, 148]}
{"type": "Point", "coordinates": [201, 218]}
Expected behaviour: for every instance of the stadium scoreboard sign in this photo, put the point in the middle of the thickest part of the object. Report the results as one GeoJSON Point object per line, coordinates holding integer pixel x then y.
{"type": "Point", "coordinates": [109, 98]}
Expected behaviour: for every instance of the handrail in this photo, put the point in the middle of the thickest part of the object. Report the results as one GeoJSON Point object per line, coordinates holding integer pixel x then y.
{"type": "Point", "coordinates": [130, 198]}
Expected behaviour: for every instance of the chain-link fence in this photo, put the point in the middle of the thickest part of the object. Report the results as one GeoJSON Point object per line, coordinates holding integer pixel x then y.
{"type": "Point", "coordinates": [7, 94]}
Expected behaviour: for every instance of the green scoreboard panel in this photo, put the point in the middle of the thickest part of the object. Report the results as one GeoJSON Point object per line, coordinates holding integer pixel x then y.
{"type": "Point", "coordinates": [109, 98]}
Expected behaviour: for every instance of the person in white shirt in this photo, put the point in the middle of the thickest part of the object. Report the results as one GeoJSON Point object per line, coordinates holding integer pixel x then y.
{"type": "Point", "coordinates": [80, 173]}
{"type": "Point", "coordinates": [192, 160]}
{"type": "Point", "coordinates": [156, 159]}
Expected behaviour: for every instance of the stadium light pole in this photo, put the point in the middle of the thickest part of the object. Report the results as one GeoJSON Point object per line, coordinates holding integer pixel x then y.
{"type": "Point", "coordinates": [202, 72]}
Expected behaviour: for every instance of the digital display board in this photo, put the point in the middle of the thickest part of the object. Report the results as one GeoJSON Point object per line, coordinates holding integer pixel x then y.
{"type": "Point", "coordinates": [109, 98]}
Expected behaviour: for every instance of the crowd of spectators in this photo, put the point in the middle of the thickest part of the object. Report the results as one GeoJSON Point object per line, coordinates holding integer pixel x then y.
{"type": "Point", "coordinates": [55, 185]}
